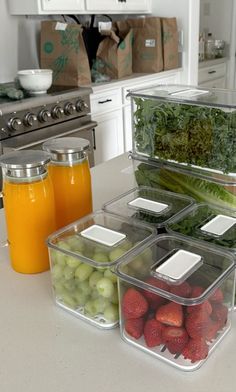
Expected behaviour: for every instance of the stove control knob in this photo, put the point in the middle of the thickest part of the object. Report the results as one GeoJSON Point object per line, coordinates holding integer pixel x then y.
{"type": "Point", "coordinates": [81, 105]}
{"type": "Point", "coordinates": [44, 115]}
{"type": "Point", "coordinates": [69, 108]}
{"type": "Point", "coordinates": [30, 119]}
{"type": "Point", "coordinates": [57, 112]}
{"type": "Point", "coordinates": [14, 124]}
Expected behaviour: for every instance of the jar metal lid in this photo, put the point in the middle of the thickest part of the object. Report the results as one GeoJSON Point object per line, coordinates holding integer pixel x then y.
{"type": "Point", "coordinates": [27, 163]}
{"type": "Point", "coordinates": [66, 149]}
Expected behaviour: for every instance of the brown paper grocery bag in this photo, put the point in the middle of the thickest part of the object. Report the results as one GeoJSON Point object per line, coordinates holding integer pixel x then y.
{"type": "Point", "coordinates": [147, 43]}
{"type": "Point", "coordinates": [62, 49]}
{"type": "Point", "coordinates": [116, 55]}
{"type": "Point", "coordinates": [170, 43]}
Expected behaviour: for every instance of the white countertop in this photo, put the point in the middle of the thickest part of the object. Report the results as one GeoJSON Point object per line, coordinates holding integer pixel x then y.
{"type": "Point", "coordinates": [44, 349]}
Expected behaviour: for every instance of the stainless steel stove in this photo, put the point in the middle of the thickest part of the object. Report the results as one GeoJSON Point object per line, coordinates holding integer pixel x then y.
{"type": "Point", "coordinates": [63, 111]}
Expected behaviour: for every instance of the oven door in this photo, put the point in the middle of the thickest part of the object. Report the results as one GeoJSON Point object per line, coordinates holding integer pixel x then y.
{"type": "Point", "coordinates": [33, 140]}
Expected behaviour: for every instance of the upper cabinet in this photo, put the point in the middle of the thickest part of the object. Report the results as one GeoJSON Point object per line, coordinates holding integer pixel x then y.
{"type": "Point", "coordinates": [47, 7]}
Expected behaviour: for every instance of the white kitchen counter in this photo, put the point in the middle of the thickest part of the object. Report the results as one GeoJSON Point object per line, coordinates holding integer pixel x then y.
{"type": "Point", "coordinates": [44, 349]}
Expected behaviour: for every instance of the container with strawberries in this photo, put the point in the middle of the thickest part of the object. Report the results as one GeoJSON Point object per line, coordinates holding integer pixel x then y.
{"type": "Point", "coordinates": [176, 304]}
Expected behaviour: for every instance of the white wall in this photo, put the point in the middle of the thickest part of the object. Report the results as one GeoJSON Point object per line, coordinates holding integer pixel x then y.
{"type": "Point", "coordinates": [215, 18]}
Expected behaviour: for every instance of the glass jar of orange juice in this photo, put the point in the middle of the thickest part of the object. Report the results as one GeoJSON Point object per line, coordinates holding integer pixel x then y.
{"type": "Point", "coordinates": [29, 206]}
{"type": "Point", "coordinates": [70, 174]}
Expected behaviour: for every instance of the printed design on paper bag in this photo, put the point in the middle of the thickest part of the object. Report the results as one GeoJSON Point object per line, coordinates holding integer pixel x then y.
{"type": "Point", "coordinates": [69, 39]}
{"type": "Point", "coordinates": [167, 36]}
{"type": "Point", "coordinates": [48, 47]}
{"type": "Point", "coordinates": [150, 43]}
{"type": "Point", "coordinates": [122, 45]}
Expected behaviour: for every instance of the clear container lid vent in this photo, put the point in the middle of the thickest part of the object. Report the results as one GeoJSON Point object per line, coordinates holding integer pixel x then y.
{"type": "Point", "coordinates": [219, 225]}
{"type": "Point", "coordinates": [103, 235]}
{"type": "Point", "coordinates": [148, 205]}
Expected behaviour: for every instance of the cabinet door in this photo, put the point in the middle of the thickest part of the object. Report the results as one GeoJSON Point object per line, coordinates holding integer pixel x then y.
{"type": "Point", "coordinates": [136, 5]}
{"type": "Point", "coordinates": [62, 5]}
{"type": "Point", "coordinates": [109, 139]}
{"type": "Point", "coordinates": [104, 5]}
{"type": "Point", "coordinates": [217, 83]}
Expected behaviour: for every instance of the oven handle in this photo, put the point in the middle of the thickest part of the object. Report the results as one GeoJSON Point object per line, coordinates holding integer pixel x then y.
{"type": "Point", "coordinates": [88, 126]}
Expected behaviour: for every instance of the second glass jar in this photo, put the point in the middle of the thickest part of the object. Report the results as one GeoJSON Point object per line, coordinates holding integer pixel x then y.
{"type": "Point", "coordinates": [70, 173]}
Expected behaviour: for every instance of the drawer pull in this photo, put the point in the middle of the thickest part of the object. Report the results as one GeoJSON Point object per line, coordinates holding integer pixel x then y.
{"type": "Point", "coordinates": [211, 72]}
{"type": "Point", "coordinates": [107, 100]}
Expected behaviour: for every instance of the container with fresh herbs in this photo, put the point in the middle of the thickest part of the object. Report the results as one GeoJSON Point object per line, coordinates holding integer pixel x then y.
{"type": "Point", "coordinates": [186, 126]}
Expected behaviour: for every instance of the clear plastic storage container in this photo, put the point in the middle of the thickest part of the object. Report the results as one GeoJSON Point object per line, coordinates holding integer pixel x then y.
{"type": "Point", "coordinates": [154, 206]}
{"type": "Point", "coordinates": [219, 190]}
{"type": "Point", "coordinates": [186, 126]}
{"type": "Point", "coordinates": [82, 258]}
{"type": "Point", "coordinates": [177, 304]}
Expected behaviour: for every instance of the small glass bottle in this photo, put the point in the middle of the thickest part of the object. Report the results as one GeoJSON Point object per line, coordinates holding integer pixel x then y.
{"type": "Point", "coordinates": [29, 209]}
{"type": "Point", "coordinates": [70, 174]}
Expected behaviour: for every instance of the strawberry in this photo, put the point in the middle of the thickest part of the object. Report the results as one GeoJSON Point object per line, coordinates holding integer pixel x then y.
{"type": "Point", "coordinates": [220, 313]}
{"type": "Point", "coordinates": [134, 305]}
{"type": "Point", "coordinates": [195, 350]}
{"type": "Point", "coordinates": [153, 333]}
{"type": "Point", "coordinates": [155, 300]}
{"type": "Point", "coordinates": [175, 339]}
{"type": "Point", "coordinates": [197, 291]}
{"type": "Point", "coordinates": [182, 290]}
{"type": "Point", "coordinates": [213, 328]}
{"type": "Point", "coordinates": [203, 307]}
{"type": "Point", "coordinates": [134, 327]}
{"type": "Point", "coordinates": [170, 314]}
{"type": "Point", "coordinates": [217, 296]}
{"type": "Point", "coordinates": [197, 323]}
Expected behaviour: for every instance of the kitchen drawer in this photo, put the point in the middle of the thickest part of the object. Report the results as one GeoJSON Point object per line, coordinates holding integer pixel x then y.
{"type": "Point", "coordinates": [212, 72]}
{"type": "Point", "coordinates": [104, 102]}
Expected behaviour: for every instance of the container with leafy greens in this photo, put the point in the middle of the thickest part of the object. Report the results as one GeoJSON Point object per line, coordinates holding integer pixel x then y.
{"type": "Point", "coordinates": [210, 190]}
{"type": "Point", "coordinates": [154, 206]}
{"type": "Point", "coordinates": [187, 127]}
{"type": "Point", "coordinates": [207, 223]}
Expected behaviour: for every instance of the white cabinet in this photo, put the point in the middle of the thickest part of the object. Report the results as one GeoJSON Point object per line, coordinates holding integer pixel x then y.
{"type": "Point", "coordinates": [40, 7]}
{"type": "Point", "coordinates": [109, 141]}
{"type": "Point", "coordinates": [118, 6]}
{"type": "Point", "coordinates": [212, 73]}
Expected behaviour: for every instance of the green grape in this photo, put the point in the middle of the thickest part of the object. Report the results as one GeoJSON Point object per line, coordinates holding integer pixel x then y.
{"type": "Point", "coordinates": [127, 245]}
{"type": "Point", "coordinates": [84, 286]}
{"type": "Point", "coordinates": [73, 262]}
{"type": "Point", "coordinates": [100, 258]}
{"type": "Point", "coordinates": [137, 263]}
{"type": "Point", "coordinates": [53, 256]}
{"type": "Point", "coordinates": [116, 253]}
{"type": "Point", "coordinates": [69, 300]}
{"type": "Point", "coordinates": [63, 245]}
{"type": "Point", "coordinates": [110, 275]}
{"type": "Point", "coordinates": [83, 272]}
{"type": "Point", "coordinates": [115, 298]}
{"type": "Point", "coordinates": [94, 294]}
{"type": "Point", "coordinates": [111, 313]}
{"type": "Point", "coordinates": [57, 272]}
{"type": "Point", "coordinates": [70, 285]}
{"type": "Point", "coordinates": [75, 243]}
{"type": "Point", "coordinates": [61, 259]}
{"type": "Point", "coordinates": [105, 287]}
{"type": "Point", "coordinates": [90, 308]}
{"type": "Point", "coordinates": [58, 287]}
{"type": "Point", "coordinates": [147, 255]}
{"type": "Point", "coordinates": [80, 297]}
{"type": "Point", "coordinates": [100, 304]}
{"type": "Point", "coordinates": [94, 278]}
{"type": "Point", "coordinates": [68, 272]}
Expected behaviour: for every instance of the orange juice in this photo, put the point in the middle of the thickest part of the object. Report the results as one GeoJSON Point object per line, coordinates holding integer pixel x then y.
{"type": "Point", "coordinates": [72, 190]}
{"type": "Point", "coordinates": [30, 218]}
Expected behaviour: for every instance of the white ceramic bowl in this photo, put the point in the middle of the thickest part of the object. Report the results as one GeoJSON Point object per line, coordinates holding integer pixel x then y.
{"type": "Point", "coordinates": [35, 81]}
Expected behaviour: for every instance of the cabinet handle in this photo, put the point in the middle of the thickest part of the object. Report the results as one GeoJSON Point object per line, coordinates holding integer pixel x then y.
{"type": "Point", "coordinates": [211, 72]}
{"type": "Point", "coordinates": [107, 100]}
{"type": "Point", "coordinates": [94, 139]}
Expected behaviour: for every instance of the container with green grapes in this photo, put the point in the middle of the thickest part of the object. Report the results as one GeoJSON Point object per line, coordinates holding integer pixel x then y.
{"type": "Point", "coordinates": [82, 258]}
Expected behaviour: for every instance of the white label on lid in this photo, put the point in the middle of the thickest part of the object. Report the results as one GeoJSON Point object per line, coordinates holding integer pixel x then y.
{"type": "Point", "coordinates": [190, 93]}
{"type": "Point", "coordinates": [219, 225]}
{"type": "Point", "coordinates": [178, 265]}
{"type": "Point", "coordinates": [103, 235]}
{"type": "Point", "coordinates": [150, 43]}
{"type": "Point", "coordinates": [61, 26]}
{"type": "Point", "coordinates": [148, 205]}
